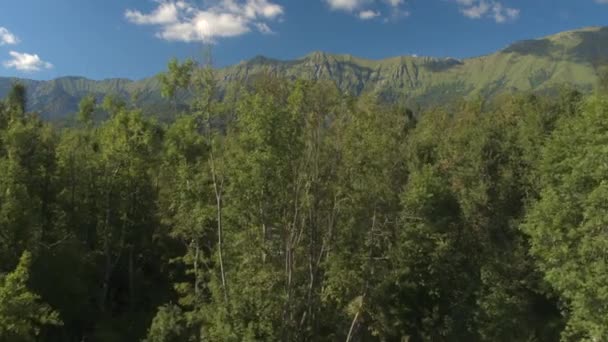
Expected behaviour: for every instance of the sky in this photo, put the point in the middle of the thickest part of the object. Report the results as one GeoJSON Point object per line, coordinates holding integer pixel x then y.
{"type": "Point", "coordinates": [44, 39]}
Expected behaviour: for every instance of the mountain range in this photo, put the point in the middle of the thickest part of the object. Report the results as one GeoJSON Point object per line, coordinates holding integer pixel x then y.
{"type": "Point", "coordinates": [572, 57]}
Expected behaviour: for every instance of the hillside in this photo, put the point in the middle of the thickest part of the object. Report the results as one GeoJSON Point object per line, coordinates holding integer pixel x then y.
{"type": "Point", "coordinates": [570, 57]}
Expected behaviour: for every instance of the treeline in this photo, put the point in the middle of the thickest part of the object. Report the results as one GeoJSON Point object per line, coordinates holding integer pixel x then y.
{"type": "Point", "coordinates": [291, 212]}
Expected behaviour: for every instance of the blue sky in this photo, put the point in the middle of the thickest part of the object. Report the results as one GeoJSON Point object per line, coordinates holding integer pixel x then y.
{"type": "Point", "coordinates": [43, 39]}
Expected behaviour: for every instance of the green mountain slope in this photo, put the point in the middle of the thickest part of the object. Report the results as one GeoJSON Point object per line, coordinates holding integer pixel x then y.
{"type": "Point", "coordinates": [571, 57]}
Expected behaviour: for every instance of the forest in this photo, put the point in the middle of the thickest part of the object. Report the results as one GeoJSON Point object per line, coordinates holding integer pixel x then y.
{"type": "Point", "coordinates": [286, 210]}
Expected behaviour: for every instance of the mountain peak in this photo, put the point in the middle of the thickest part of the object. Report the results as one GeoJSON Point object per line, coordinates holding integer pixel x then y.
{"type": "Point", "coordinates": [317, 56]}
{"type": "Point", "coordinates": [260, 59]}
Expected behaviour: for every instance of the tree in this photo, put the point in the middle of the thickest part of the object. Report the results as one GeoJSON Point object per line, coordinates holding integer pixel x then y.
{"type": "Point", "coordinates": [17, 99]}
{"type": "Point", "coordinates": [26, 191]}
{"type": "Point", "coordinates": [86, 107]}
{"type": "Point", "coordinates": [369, 139]}
{"type": "Point", "coordinates": [168, 325]}
{"type": "Point", "coordinates": [22, 314]}
{"type": "Point", "coordinates": [566, 224]}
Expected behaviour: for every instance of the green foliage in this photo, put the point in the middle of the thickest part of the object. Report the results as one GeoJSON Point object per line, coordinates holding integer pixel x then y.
{"type": "Point", "coordinates": [168, 325]}
{"type": "Point", "coordinates": [86, 108]}
{"type": "Point", "coordinates": [177, 77]}
{"type": "Point", "coordinates": [295, 212]}
{"type": "Point", "coordinates": [22, 314]}
{"type": "Point", "coordinates": [566, 223]}
{"type": "Point", "coordinates": [17, 99]}
{"type": "Point", "coordinates": [112, 104]}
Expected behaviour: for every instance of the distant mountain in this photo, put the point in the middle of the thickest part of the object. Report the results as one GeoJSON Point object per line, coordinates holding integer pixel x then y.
{"type": "Point", "coordinates": [571, 57]}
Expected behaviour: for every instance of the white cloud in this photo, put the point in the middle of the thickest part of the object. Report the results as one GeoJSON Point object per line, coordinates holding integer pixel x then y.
{"type": "Point", "coordinates": [7, 38]}
{"type": "Point", "coordinates": [477, 9]}
{"type": "Point", "coordinates": [165, 13]}
{"type": "Point", "coordinates": [348, 5]}
{"type": "Point", "coordinates": [369, 9]}
{"type": "Point", "coordinates": [502, 14]}
{"type": "Point", "coordinates": [263, 28]}
{"type": "Point", "coordinates": [260, 8]}
{"type": "Point", "coordinates": [368, 14]}
{"type": "Point", "coordinates": [182, 21]}
{"type": "Point", "coordinates": [395, 3]}
{"type": "Point", "coordinates": [26, 62]}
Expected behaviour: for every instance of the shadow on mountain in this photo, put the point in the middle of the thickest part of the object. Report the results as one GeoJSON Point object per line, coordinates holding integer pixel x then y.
{"type": "Point", "coordinates": [533, 47]}
{"type": "Point", "coordinates": [260, 60]}
{"type": "Point", "coordinates": [593, 47]}
{"type": "Point", "coordinates": [439, 65]}
{"type": "Point", "coordinates": [538, 77]}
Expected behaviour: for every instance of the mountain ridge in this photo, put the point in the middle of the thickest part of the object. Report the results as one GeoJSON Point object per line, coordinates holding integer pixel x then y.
{"type": "Point", "coordinates": [570, 57]}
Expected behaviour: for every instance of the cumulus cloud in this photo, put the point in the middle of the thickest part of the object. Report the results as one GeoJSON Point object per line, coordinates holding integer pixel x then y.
{"type": "Point", "coordinates": [180, 20]}
{"type": "Point", "coordinates": [368, 14]}
{"type": "Point", "coordinates": [477, 9]}
{"type": "Point", "coordinates": [26, 62]}
{"type": "Point", "coordinates": [347, 5]}
{"type": "Point", "coordinates": [7, 38]}
{"type": "Point", "coordinates": [369, 9]}
{"type": "Point", "coordinates": [165, 13]}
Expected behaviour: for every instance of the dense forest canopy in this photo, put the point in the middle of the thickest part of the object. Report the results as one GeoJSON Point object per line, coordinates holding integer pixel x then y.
{"type": "Point", "coordinates": [294, 212]}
